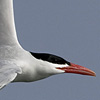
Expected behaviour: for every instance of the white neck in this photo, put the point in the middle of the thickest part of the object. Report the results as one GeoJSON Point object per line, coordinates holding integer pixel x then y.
{"type": "Point", "coordinates": [7, 26]}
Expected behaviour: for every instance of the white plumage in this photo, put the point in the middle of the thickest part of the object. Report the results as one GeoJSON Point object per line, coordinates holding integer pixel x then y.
{"type": "Point", "coordinates": [17, 64]}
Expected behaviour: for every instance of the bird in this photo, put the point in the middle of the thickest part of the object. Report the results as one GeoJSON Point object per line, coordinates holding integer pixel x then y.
{"type": "Point", "coordinates": [20, 65]}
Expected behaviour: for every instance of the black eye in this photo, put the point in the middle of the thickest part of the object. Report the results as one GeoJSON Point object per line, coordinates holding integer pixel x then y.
{"type": "Point", "coordinates": [50, 58]}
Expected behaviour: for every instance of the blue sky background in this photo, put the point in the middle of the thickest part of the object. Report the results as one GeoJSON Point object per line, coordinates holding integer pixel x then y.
{"type": "Point", "coordinates": [68, 28]}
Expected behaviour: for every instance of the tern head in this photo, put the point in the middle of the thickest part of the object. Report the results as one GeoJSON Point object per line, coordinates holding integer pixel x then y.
{"type": "Point", "coordinates": [53, 64]}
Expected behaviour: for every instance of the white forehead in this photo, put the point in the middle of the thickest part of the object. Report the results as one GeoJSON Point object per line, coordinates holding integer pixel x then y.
{"type": "Point", "coordinates": [54, 65]}
{"type": "Point", "coordinates": [60, 65]}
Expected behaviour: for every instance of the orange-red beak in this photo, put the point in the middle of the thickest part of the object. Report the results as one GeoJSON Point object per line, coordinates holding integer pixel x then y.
{"type": "Point", "coordinates": [77, 69]}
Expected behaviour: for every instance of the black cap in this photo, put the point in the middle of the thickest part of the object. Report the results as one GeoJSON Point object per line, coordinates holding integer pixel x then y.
{"type": "Point", "coordinates": [50, 58]}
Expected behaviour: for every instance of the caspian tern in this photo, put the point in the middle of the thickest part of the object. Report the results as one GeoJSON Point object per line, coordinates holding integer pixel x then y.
{"type": "Point", "coordinates": [19, 65]}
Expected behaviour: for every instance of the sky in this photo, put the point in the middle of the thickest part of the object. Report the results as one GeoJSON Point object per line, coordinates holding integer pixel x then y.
{"type": "Point", "coordinates": [67, 28]}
